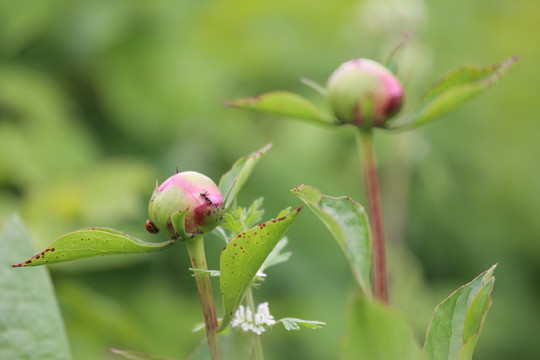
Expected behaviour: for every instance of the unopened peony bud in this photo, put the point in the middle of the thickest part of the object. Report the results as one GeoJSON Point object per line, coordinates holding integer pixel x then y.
{"type": "Point", "coordinates": [186, 190]}
{"type": "Point", "coordinates": [364, 93]}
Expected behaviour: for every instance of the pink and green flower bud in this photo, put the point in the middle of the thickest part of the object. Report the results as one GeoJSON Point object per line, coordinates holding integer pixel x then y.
{"type": "Point", "coordinates": [186, 190]}
{"type": "Point", "coordinates": [364, 93]}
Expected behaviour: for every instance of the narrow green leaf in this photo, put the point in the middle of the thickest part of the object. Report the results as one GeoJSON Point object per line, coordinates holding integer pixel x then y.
{"type": "Point", "coordinates": [91, 242]}
{"type": "Point", "coordinates": [284, 103]}
{"type": "Point", "coordinates": [294, 323]}
{"type": "Point", "coordinates": [454, 89]}
{"type": "Point", "coordinates": [391, 59]}
{"type": "Point", "coordinates": [243, 257]}
{"type": "Point", "coordinates": [348, 223]}
{"type": "Point", "coordinates": [377, 332]}
{"type": "Point", "coordinates": [457, 322]}
{"type": "Point", "coordinates": [314, 85]}
{"type": "Point", "coordinates": [31, 325]}
{"type": "Point", "coordinates": [232, 181]}
{"type": "Point", "coordinates": [201, 272]}
{"type": "Point", "coordinates": [136, 355]}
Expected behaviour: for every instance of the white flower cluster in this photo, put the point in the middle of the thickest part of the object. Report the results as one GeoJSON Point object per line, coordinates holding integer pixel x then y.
{"type": "Point", "coordinates": [249, 322]}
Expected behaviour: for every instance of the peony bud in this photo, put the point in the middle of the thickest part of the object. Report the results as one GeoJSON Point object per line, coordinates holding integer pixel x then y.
{"type": "Point", "coordinates": [364, 93]}
{"type": "Point", "coordinates": [186, 190]}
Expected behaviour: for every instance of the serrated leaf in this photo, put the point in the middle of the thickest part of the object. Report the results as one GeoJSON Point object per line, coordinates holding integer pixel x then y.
{"type": "Point", "coordinates": [374, 331]}
{"type": "Point", "coordinates": [284, 103]}
{"type": "Point", "coordinates": [294, 324]}
{"type": "Point", "coordinates": [454, 89]}
{"type": "Point", "coordinates": [31, 325]}
{"type": "Point", "coordinates": [232, 181]}
{"type": "Point", "coordinates": [457, 322]}
{"type": "Point", "coordinates": [348, 223]}
{"type": "Point", "coordinates": [391, 59]}
{"type": "Point", "coordinates": [243, 257]}
{"type": "Point", "coordinates": [91, 242]}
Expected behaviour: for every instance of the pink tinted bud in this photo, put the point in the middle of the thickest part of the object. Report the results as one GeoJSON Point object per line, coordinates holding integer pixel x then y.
{"type": "Point", "coordinates": [186, 190]}
{"type": "Point", "coordinates": [364, 93]}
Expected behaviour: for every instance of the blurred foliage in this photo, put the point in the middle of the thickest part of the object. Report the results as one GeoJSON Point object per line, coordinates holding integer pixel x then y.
{"type": "Point", "coordinates": [100, 98]}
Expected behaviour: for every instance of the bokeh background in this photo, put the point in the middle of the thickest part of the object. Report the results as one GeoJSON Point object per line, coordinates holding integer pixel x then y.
{"type": "Point", "coordinates": [98, 99]}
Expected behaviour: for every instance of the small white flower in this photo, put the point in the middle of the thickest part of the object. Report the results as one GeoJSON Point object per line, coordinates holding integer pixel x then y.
{"type": "Point", "coordinates": [253, 322]}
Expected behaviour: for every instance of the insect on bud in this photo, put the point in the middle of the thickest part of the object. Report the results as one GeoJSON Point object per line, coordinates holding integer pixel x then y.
{"type": "Point", "coordinates": [186, 190]}
{"type": "Point", "coordinates": [364, 93]}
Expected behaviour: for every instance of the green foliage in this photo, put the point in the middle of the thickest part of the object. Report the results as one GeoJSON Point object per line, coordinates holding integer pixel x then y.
{"type": "Point", "coordinates": [284, 103]}
{"type": "Point", "coordinates": [232, 181]}
{"type": "Point", "coordinates": [239, 219]}
{"type": "Point", "coordinates": [348, 223]}
{"type": "Point", "coordinates": [243, 257]}
{"type": "Point", "coordinates": [91, 242]}
{"type": "Point", "coordinates": [391, 59]}
{"type": "Point", "coordinates": [375, 331]}
{"type": "Point", "coordinates": [457, 322]}
{"type": "Point", "coordinates": [454, 89]}
{"type": "Point", "coordinates": [31, 325]}
{"type": "Point", "coordinates": [294, 323]}
{"type": "Point", "coordinates": [136, 355]}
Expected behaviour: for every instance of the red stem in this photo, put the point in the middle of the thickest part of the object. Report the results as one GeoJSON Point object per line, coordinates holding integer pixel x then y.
{"type": "Point", "coordinates": [376, 215]}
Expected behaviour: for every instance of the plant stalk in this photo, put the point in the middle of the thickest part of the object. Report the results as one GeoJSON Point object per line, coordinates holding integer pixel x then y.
{"type": "Point", "coordinates": [195, 248]}
{"type": "Point", "coordinates": [256, 338]}
{"type": "Point", "coordinates": [373, 191]}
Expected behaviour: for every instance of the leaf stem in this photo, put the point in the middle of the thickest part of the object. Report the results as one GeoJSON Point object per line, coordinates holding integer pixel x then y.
{"type": "Point", "coordinates": [256, 338]}
{"type": "Point", "coordinates": [195, 248]}
{"type": "Point", "coordinates": [373, 191]}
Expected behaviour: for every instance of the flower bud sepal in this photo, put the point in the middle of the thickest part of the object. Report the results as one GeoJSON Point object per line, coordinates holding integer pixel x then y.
{"type": "Point", "coordinates": [178, 221]}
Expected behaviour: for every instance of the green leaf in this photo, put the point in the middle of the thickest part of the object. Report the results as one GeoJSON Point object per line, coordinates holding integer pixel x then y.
{"type": "Point", "coordinates": [136, 355]}
{"type": "Point", "coordinates": [294, 323]}
{"type": "Point", "coordinates": [457, 322]}
{"type": "Point", "coordinates": [238, 219]}
{"type": "Point", "coordinates": [314, 85]}
{"type": "Point", "coordinates": [31, 325]}
{"type": "Point", "coordinates": [284, 103]}
{"type": "Point", "coordinates": [377, 332]}
{"type": "Point", "coordinates": [91, 242]}
{"type": "Point", "coordinates": [392, 58]}
{"type": "Point", "coordinates": [232, 181]}
{"type": "Point", "coordinates": [349, 225]}
{"type": "Point", "coordinates": [277, 256]}
{"type": "Point", "coordinates": [243, 257]}
{"type": "Point", "coordinates": [454, 89]}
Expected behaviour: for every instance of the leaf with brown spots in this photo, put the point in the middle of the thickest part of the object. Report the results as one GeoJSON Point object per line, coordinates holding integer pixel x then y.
{"type": "Point", "coordinates": [243, 257]}
{"type": "Point", "coordinates": [91, 242]}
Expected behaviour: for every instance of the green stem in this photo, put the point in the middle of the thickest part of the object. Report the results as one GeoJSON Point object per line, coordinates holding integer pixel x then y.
{"type": "Point", "coordinates": [256, 338]}
{"type": "Point", "coordinates": [195, 248]}
{"type": "Point", "coordinates": [365, 143]}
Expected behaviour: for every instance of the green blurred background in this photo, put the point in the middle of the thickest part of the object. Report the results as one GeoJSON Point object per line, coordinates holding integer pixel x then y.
{"type": "Point", "coordinates": [100, 98]}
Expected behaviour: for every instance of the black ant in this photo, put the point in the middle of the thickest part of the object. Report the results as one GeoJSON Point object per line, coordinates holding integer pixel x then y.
{"type": "Point", "coordinates": [205, 197]}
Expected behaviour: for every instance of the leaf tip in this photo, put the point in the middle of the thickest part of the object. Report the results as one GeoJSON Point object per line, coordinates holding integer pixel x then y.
{"type": "Point", "coordinates": [241, 102]}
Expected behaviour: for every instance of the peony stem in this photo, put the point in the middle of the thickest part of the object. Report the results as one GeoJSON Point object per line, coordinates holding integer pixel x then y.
{"type": "Point", "coordinates": [367, 153]}
{"type": "Point", "coordinates": [195, 248]}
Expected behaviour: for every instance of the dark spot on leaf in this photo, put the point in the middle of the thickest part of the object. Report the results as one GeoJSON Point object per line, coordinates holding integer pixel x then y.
{"type": "Point", "coordinates": [28, 261]}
